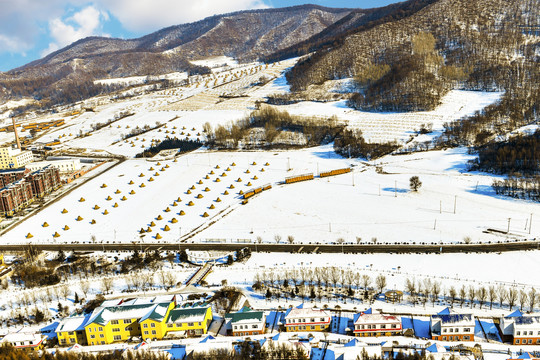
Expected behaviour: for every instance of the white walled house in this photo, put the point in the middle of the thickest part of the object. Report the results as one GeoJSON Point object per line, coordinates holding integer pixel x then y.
{"type": "Point", "coordinates": [452, 327]}
{"type": "Point", "coordinates": [376, 325]}
{"type": "Point", "coordinates": [307, 319]}
{"type": "Point", "coordinates": [247, 322]}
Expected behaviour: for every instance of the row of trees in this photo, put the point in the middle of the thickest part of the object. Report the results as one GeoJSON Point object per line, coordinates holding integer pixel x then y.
{"type": "Point", "coordinates": [519, 187]}
{"type": "Point", "coordinates": [520, 154]}
{"type": "Point", "coordinates": [315, 282]}
{"type": "Point", "coordinates": [171, 143]}
{"type": "Point", "coordinates": [350, 142]}
{"type": "Point", "coordinates": [8, 352]}
{"type": "Point", "coordinates": [318, 282]}
{"type": "Point", "coordinates": [273, 123]}
{"type": "Point", "coordinates": [427, 289]}
{"type": "Point", "coordinates": [253, 350]}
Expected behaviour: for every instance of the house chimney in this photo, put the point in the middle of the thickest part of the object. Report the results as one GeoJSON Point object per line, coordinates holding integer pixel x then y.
{"type": "Point", "coordinates": [16, 134]}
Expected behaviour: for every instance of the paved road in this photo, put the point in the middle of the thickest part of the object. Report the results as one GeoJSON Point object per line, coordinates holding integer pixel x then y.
{"type": "Point", "coordinates": [304, 248]}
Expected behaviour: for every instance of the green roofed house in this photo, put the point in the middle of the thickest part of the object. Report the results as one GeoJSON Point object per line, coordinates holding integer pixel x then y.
{"type": "Point", "coordinates": [247, 322]}
{"type": "Point", "coordinates": [188, 321]}
{"type": "Point", "coordinates": [118, 322]}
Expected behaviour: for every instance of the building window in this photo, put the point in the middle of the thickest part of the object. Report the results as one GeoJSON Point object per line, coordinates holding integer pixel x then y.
{"type": "Point", "coordinates": [100, 328]}
{"type": "Point", "coordinates": [190, 324]}
{"type": "Point", "coordinates": [518, 333]}
{"type": "Point", "coordinates": [530, 341]}
{"type": "Point", "coordinates": [383, 326]}
{"type": "Point", "coordinates": [62, 341]}
{"type": "Point", "coordinates": [117, 337]}
{"type": "Point", "coordinates": [129, 328]}
{"type": "Point", "coordinates": [145, 326]}
{"type": "Point", "coordinates": [101, 335]}
{"type": "Point", "coordinates": [127, 321]}
{"type": "Point", "coordinates": [153, 325]}
{"type": "Point", "coordinates": [467, 330]}
{"type": "Point", "coordinates": [116, 330]}
{"type": "Point", "coordinates": [153, 332]}
{"type": "Point", "coordinates": [71, 333]}
{"type": "Point", "coordinates": [114, 322]}
{"type": "Point", "coordinates": [92, 336]}
{"type": "Point", "coordinates": [322, 319]}
{"type": "Point", "coordinates": [169, 325]}
{"type": "Point", "coordinates": [466, 338]}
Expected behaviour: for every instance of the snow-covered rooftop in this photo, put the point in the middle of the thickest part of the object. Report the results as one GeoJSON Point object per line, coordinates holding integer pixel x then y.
{"type": "Point", "coordinates": [306, 313]}
{"type": "Point", "coordinates": [376, 319]}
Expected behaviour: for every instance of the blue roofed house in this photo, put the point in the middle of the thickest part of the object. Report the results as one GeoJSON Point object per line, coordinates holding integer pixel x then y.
{"type": "Point", "coordinates": [452, 327]}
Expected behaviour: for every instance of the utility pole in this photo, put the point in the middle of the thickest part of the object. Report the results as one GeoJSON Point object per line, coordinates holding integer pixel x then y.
{"type": "Point", "coordinates": [455, 201]}
{"type": "Point", "coordinates": [530, 223]}
{"type": "Point", "coordinates": [508, 231]}
{"type": "Point", "coordinates": [435, 224]}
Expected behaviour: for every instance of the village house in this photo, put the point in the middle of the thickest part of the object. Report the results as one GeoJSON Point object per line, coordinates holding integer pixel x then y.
{"type": "Point", "coordinates": [247, 322]}
{"type": "Point", "coordinates": [376, 325]}
{"type": "Point", "coordinates": [192, 321]}
{"type": "Point", "coordinates": [307, 319]}
{"type": "Point", "coordinates": [24, 341]}
{"type": "Point", "coordinates": [447, 326]}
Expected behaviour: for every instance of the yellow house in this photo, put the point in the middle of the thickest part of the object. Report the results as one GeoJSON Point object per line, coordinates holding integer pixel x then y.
{"type": "Point", "coordinates": [152, 325]}
{"type": "Point", "coordinates": [192, 321]}
{"type": "Point", "coordinates": [71, 330]}
{"type": "Point", "coordinates": [120, 322]}
{"type": "Point", "coordinates": [307, 319]}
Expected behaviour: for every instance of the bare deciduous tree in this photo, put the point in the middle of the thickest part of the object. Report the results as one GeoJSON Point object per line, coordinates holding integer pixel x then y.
{"type": "Point", "coordinates": [381, 282]}
{"type": "Point", "coordinates": [452, 293]}
{"type": "Point", "coordinates": [472, 294]}
{"type": "Point", "coordinates": [482, 294]}
{"type": "Point", "coordinates": [492, 295]}
{"type": "Point", "coordinates": [106, 284]}
{"type": "Point", "coordinates": [512, 297]}
{"type": "Point", "coordinates": [85, 287]}
{"type": "Point", "coordinates": [532, 298]}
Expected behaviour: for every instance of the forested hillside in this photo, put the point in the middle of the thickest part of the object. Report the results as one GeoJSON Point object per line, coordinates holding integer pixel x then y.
{"type": "Point", "coordinates": [245, 35]}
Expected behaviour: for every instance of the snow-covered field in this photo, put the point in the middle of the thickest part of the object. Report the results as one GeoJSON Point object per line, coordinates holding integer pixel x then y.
{"type": "Point", "coordinates": [378, 205]}
{"type": "Point", "coordinates": [385, 127]}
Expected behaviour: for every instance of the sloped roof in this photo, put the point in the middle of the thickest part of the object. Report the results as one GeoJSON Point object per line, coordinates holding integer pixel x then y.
{"type": "Point", "coordinates": [187, 315]}
{"type": "Point", "coordinates": [516, 313]}
{"type": "Point", "coordinates": [103, 315]}
{"type": "Point", "coordinates": [73, 323]}
{"type": "Point", "coordinates": [354, 342]}
{"type": "Point", "coordinates": [322, 354]}
{"type": "Point", "coordinates": [306, 312]}
{"type": "Point", "coordinates": [445, 311]}
{"type": "Point", "coordinates": [157, 313]}
{"type": "Point", "coordinates": [375, 318]}
{"type": "Point", "coordinates": [209, 337]}
{"type": "Point", "coordinates": [454, 318]}
{"type": "Point", "coordinates": [246, 316]}
{"type": "Point", "coordinates": [436, 348]}
{"type": "Point", "coordinates": [527, 320]}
